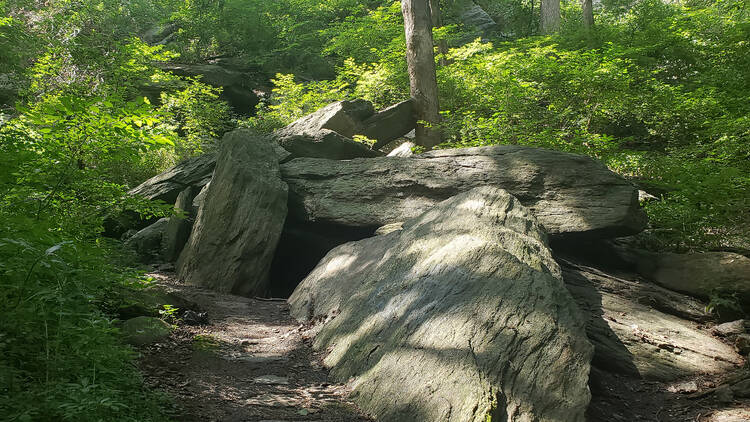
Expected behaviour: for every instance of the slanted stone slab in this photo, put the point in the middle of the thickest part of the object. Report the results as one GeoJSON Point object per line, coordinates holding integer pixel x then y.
{"type": "Point", "coordinates": [147, 242]}
{"type": "Point", "coordinates": [568, 193]}
{"type": "Point", "coordinates": [390, 123]}
{"type": "Point", "coordinates": [236, 230]}
{"type": "Point", "coordinates": [324, 144]}
{"type": "Point", "coordinates": [166, 186]}
{"type": "Point", "coordinates": [177, 231]}
{"type": "Point", "coordinates": [460, 316]}
{"type": "Point", "coordinates": [343, 117]}
{"type": "Point", "coordinates": [194, 172]}
{"type": "Point", "coordinates": [643, 330]}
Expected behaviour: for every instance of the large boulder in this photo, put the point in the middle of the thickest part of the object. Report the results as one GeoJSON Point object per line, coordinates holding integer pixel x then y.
{"type": "Point", "coordinates": [167, 186]}
{"type": "Point", "coordinates": [343, 117]}
{"type": "Point", "coordinates": [700, 274]}
{"type": "Point", "coordinates": [568, 193]}
{"type": "Point", "coordinates": [391, 123]}
{"type": "Point", "coordinates": [194, 172]}
{"type": "Point", "coordinates": [327, 132]}
{"type": "Point", "coordinates": [177, 231]}
{"type": "Point", "coordinates": [460, 316]}
{"type": "Point", "coordinates": [324, 144]}
{"type": "Point", "coordinates": [472, 16]}
{"type": "Point", "coordinates": [236, 230]}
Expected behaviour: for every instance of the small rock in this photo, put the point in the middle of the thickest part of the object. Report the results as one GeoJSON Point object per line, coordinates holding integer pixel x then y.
{"type": "Point", "coordinates": [404, 150]}
{"type": "Point", "coordinates": [644, 196]}
{"type": "Point", "coordinates": [144, 330]}
{"type": "Point", "coordinates": [195, 318]}
{"type": "Point", "coordinates": [731, 328]}
{"type": "Point", "coordinates": [683, 387]}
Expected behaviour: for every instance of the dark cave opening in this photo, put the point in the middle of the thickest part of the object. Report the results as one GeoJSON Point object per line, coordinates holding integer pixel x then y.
{"type": "Point", "coordinates": [301, 246]}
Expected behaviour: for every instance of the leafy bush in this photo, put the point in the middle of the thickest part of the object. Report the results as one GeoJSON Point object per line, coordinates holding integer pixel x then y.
{"type": "Point", "coordinates": [60, 357]}
{"type": "Point", "coordinates": [198, 115]}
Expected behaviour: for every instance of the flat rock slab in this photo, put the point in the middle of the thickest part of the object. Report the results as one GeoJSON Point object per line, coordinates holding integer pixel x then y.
{"type": "Point", "coordinates": [460, 316]}
{"type": "Point", "coordinates": [167, 186]}
{"type": "Point", "coordinates": [703, 274]}
{"type": "Point", "coordinates": [568, 193]}
{"type": "Point", "coordinates": [642, 330]}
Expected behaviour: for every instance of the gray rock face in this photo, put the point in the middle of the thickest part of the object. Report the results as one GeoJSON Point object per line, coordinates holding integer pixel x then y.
{"type": "Point", "coordinates": [472, 15]}
{"type": "Point", "coordinates": [327, 132]}
{"type": "Point", "coordinates": [701, 274]}
{"type": "Point", "coordinates": [194, 172]}
{"type": "Point", "coordinates": [324, 144]}
{"type": "Point", "coordinates": [343, 117]}
{"type": "Point", "coordinates": [568, 193]}
{"type": "Point", "coordinates": [177, 231]}
{"type": "Point", "coordinates": [391, 123]}
{"type": "Point", "coordinates": [199, 199]}
{"type": "Point", "coordinates": [147, 242]}
{"type": "Point", "coordinates": [645, 331]}
{"type": "Point", "coordinates": [166, 186]}
{"type": "Point", "coordinates": [697, 274]}
{"type": "Point", "coordinates": [460, 316]}
{"type": "Point", "coordinates": [236, 230]}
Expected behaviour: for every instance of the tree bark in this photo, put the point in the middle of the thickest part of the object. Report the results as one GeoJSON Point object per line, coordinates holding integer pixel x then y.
{"type": "Point", "coordinates": [588, 14]}
{"type": "Point", "coordinates": [420, 60]}
{"type": "Point", "coordinates": [550, 16]}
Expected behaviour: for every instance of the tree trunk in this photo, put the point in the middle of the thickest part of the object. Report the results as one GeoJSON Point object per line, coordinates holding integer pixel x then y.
{"type": "Point", "coordinates": [420, 60]}
{"type": "Point", "coordinates": [588, 14]}
{"type": "Point", "coordinates": [550, 16]}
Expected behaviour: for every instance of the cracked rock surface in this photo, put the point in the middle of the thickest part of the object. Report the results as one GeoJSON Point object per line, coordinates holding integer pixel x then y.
{"type": "Point", "coordinates": [460, 315]}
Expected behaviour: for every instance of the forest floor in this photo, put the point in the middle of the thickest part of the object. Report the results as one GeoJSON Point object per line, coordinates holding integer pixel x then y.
{"type": "Point", "coordinates": [251, 362]}
{"type": "Point", "coordinates": [254, 362]}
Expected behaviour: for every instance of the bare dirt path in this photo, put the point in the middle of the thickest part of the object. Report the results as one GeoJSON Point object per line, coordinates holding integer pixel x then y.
{"type": "Point", "coordinates": [251, 362]}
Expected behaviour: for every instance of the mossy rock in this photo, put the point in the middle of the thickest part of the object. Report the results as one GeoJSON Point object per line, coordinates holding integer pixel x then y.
{"type": "Point", "coordinates": [148, 302]}
{"type": "Point", "coordinates": [144, 330]}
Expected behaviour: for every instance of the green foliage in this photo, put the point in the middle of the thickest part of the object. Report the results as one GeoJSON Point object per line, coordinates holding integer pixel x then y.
{"type": "Point", "coordinates": [198, 115]}
{"type": "Point", "coordinates": [60, 357]}
{"type": "Point", "coordinates": [720, 301]}
{"type": "Point", "coordinates": [169, 313]}
{"type": "Point", "coordinates": [70, 159]}
{"type": "Point", "coordinates": [277, 36]}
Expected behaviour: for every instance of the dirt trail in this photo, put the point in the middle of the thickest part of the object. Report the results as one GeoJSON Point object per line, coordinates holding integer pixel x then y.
{"type": "Point", "coordinates": [250, 363]}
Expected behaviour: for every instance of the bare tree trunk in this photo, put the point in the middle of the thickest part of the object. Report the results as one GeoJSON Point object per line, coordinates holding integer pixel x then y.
{"type": "Point", "coordinates": [550, 16]}
{"type": "Point", "coordinates": [420, 60]}
{"type": "Point", "coordinates": [588, 14]}
{"type": "Point", "coordinates": [437, 22]}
